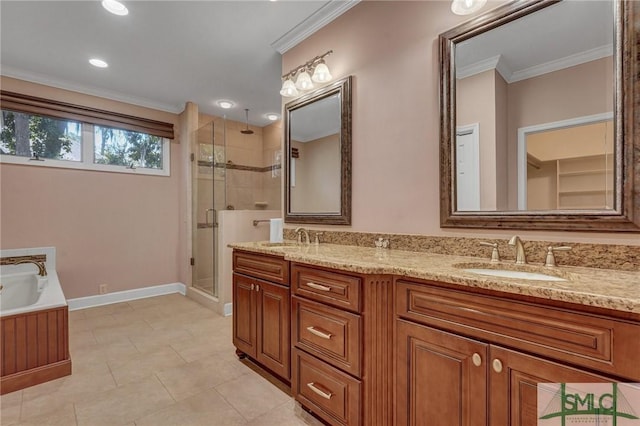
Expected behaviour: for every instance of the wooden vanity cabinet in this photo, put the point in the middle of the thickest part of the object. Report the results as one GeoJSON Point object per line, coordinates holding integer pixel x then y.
{"type": "Point", "coordinates": [261, 310]}
{"type": "Point", "coordinates": [342, 324]}
{"type": "Point", "coordinates": [464, 358]}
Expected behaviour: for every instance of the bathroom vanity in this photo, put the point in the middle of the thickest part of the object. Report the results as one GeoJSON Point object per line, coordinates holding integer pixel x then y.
{"type": "Point", "coordinates": [381, 337]}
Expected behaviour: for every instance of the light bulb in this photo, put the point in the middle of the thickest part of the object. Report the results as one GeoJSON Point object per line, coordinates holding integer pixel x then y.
{"type": "Point", "coordinates": [321, 74]}
{"type": "Point", "coordinates": [288, 89]}
{"type": "Point", "coordinates": [304, 81]}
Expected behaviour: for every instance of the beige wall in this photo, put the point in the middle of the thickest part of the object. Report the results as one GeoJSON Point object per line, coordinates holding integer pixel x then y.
{"type": "Point", "coordinates": [556, 96]}
{"type": "Point", "coordinates": [391, 49]}
{"type": "Point", "coordinates": [317, 176]}
{"type": "Point", "coordinates": [482, 99]}
{"type": "Point", "coordinates": [108, 228]}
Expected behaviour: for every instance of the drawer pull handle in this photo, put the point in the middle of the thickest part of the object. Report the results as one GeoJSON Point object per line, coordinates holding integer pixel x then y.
{"type": "Point", "coordinates": [497, 365]}
{"type": "Point", "coordinates": [325, 395]}
{"type": "Point", "coordinates": [476, 359]}
{"type": "Point", "coordinates": [319, 333]}
{"type": "Point", "coordinates": [319, 287]}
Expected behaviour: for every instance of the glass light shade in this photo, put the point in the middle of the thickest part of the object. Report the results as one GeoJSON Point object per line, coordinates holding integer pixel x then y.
{"type": "Point", "coordinates": [288, 89]}
{"type": "Point", "coordinates": [321, 74]}
{"type": "Point", "coordinates": [304, 81]}
{"type": "Point", "coordinates": [466, 7]}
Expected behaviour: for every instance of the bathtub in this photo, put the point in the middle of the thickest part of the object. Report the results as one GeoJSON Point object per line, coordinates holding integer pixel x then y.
{"type": "Point", "coordinates": [34, 323]}
{"type": "Point", "coordinates": [24, 292]}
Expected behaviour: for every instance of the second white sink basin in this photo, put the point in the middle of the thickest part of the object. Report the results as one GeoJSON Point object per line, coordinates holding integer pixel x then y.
{"type": "Point", "coordinates": [514, 274]}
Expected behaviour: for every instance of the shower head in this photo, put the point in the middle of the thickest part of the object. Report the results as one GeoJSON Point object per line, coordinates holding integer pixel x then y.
{"type": "Point", "coordinates": [247, 130]}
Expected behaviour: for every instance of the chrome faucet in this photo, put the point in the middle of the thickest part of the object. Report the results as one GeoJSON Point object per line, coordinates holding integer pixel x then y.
{"type": "Point", "coordinates": [300, 231]}
{"type": "Point", "coordinates": [521, 256]}
{"type": "Point", "coordinates": [42, 269]}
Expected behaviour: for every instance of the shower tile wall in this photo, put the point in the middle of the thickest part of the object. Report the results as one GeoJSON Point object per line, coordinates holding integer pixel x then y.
{"type": "Point", "coordinates": [251, 180]}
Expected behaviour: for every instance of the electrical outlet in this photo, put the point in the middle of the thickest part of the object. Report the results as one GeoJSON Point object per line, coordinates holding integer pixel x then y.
{"type": "Point", "coordinates": [103, 288]}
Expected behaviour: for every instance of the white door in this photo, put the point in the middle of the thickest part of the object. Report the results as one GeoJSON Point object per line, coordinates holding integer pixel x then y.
{"type": "Point", "coordinates": [468, 168]}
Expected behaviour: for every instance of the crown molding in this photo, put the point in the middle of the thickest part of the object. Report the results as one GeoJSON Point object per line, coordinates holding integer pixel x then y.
{"type": "Point", "coordinates": [313, 23]}
{"type": "Point", "coordinates": [494, 62]}
{"type": "Point", "coordinates": [562, 63]}
{"type": "Point", "coordinates": [497, 63]}
{"type": "Point", "coordinates": [87, 90]}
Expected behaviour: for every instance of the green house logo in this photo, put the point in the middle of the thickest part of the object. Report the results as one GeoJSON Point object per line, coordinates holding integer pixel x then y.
{"type": "Point", "coordinates": [588, 404]}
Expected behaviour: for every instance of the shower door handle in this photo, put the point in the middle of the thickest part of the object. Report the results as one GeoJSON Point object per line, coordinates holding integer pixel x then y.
{"type": "Point", "coordinates": [215, 217]}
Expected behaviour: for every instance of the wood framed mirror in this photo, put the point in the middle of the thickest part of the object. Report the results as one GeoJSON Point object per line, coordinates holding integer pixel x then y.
{"type": "Point", "coordinates": [540, 116]}
{"type": "Point", "coordinates": [318, 156]}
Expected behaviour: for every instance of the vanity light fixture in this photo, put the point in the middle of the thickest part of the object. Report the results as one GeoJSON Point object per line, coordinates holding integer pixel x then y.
{"type": "Point", "coordinates": [115, 7]}
{"type": "Point", "coordinates": [304, 75]}
{"type": "Point", "coordinates": [466, 7]}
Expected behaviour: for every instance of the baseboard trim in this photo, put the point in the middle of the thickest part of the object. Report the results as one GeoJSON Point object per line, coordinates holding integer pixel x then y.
{"type": "Point", "coordinates": [124, 296]}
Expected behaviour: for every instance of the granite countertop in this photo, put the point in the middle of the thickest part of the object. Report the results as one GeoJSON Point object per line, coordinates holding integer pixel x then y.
{"type": "Point", "coordinates": [604, 288]}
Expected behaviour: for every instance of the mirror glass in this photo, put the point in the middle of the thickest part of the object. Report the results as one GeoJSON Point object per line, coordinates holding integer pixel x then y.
{"type": "Point", "coordinates": [533, 99]}
{"type": "Point", "coordinates": [533, 123]}
{"type": "Point", "coordinates": [318, 146]}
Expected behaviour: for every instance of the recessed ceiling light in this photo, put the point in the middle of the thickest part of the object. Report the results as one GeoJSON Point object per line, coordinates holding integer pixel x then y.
{"type": "Point", "coordinates": [115, 7]}
{"type": "Point", "coordinates": [98, 63]}
{"type": "Point", "coordinates": [273, 117]}
{"type": "Point", "coordinates": [225, 104]}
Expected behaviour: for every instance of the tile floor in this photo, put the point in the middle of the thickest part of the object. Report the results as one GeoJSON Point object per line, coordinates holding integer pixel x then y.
{"type": "Point", "coordinates": [159, 361]}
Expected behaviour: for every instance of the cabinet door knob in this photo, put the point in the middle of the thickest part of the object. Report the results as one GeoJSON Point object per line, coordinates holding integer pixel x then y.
{"type": "Point", "coordinates": [319, 333]}
{"type": "Point", "coordinates": [476, 359]}
{"type": "Point", "coordinates": [319, 286]}
{"type": "Point", "coordinates": [252, 286]}
{"type": "Point", "coordinates": [497, 365]}
{"type": "Point", "coordinates": [257, 287]}
{"type": "Point", "coordinates": [325, 395]}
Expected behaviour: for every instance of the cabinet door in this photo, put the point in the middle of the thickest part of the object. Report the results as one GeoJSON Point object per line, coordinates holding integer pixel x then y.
{"type": "Point", "coordinates": [441, 378]}
{"type": "Point", "coordinates": [273, 322]}
{"type": "Point", "coordinates": [244, 314]}
{"type": "Point", "coordinates": [514, 377]}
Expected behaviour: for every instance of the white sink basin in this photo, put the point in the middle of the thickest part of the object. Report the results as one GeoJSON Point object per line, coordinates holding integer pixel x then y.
{"type": "Point", "coordinates": [514, 274]}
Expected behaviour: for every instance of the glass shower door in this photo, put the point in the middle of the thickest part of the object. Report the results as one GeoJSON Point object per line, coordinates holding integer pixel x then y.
{"type": "Point", "coordinates": [208, 189]}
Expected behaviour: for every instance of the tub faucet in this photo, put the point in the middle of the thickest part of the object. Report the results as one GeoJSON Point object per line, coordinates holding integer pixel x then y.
{"type": "Point", "coordinates": [42, 269]}
{"type": "Point", "coordinates": [521, 256]}
{"type": "Point", "coordinates": [301, 231]}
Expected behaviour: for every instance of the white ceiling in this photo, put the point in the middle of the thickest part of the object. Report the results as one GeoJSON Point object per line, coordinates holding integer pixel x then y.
{"type": "Point", "coordinates": [164, 53]}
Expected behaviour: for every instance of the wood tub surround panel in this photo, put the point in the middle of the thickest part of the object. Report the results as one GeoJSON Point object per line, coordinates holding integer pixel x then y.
{"type": "Point", "coordinates": [35, 348]}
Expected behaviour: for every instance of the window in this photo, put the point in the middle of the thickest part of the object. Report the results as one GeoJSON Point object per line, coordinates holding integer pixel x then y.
{"type": "Point", "coordinates": [49, 133]}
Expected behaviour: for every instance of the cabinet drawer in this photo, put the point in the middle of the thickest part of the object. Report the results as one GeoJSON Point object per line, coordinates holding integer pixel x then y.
{"type": "Point", "coordinates": [328, 333]}
{"type": "Point", "coordinates": [330, 393]}
{"type": "Point", "coordinates": [578, 338]}
{"type": "Point", "coordinates": [333, 288]}
{"type": "Point", "coordinates": [270, 268]}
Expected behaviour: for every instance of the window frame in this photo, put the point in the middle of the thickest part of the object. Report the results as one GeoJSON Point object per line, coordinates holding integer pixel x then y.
{"type": "Point", "coordinates": [88, 117]}
{"type": "Point", "coordinates": [87, 158]}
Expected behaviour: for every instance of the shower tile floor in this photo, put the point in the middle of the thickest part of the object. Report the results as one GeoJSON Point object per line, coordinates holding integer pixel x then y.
{"type": "Point", "coordinates": [159, 361]}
